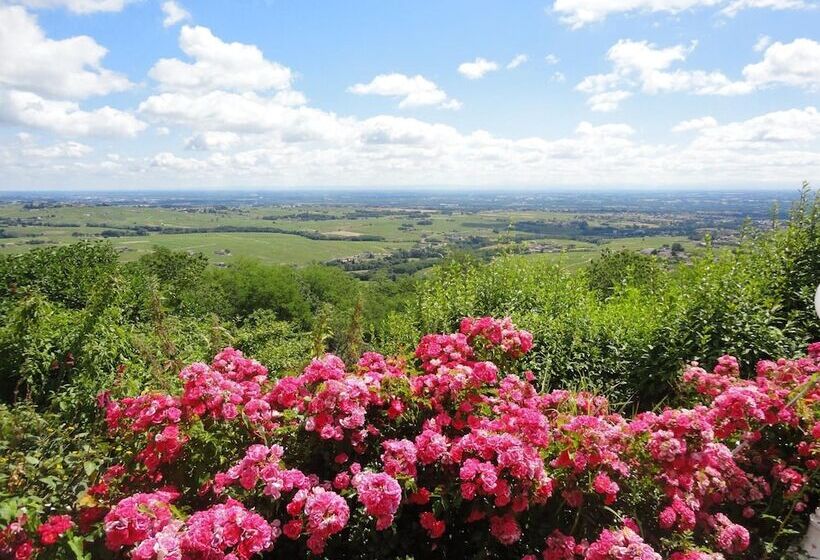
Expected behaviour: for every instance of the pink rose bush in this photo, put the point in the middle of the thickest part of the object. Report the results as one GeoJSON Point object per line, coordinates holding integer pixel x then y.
{"type": "Point", "coordinates": [457, 455]}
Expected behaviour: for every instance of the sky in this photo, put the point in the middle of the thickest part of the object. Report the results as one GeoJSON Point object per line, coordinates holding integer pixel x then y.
{"type": "Point", "coordinates": [658, 94]}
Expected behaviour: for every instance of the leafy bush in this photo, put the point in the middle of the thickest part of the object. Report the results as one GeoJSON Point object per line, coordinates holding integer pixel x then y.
{"type": "Point", "coordinates": [624, 269]}
{"type": "Point", "coordinates": [450, 456]}
{"type": "Point", "coordinates": [250, 286]}
{"type": "Point", "coordinates": [66, 274]}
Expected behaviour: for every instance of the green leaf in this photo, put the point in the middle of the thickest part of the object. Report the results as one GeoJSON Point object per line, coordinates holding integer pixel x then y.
{"type": "Point", "coordinates": [75, 543]}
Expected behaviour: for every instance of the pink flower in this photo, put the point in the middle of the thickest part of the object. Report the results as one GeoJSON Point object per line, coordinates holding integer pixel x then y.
{"type": "Point", "coordinates": [224, 530]}
{"type": "Point", "coordinates": [164, 545]}
{"type": "Point", "coordinates": [438, 351]}
{"type": "Point", "coordinates": [399, 457]}
{"type": "Point", "coordinates": [606, 486]}
{"type": "Point", "coordinates": [430, 446]}
{"type": "Point", "coordinates": [562, 547]}
{"type": "Point", "coordinates": [235, 366]}
{"type": "Point", "coordinates": [380, 494]}
{"type": "Point", "coordinates": [137, 518]}
{"type": "Point", "coordinates": [327, 513]}
{"type": "Point", "coordinates": [730, 537]}
{"type": "Point", "coordinates": [505, 529]}
{"type": "Point", "coordinates": [497, 333]}
{"type": "Point", "coordinates": [622, 544]}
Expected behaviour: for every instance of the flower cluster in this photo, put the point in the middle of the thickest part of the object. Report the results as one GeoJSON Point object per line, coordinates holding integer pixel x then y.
{"type": "Point", "coordinates": [15, 542]}
{"type": "Point", "coordinates": [380, 494]}
{"type": "Point", "coordinates": [53, 528]}
{"type": "Point", "coordinates": [497, 333]}
{"type": "Point", "coordinates": [621, 544]}
{"type": "Point", "coordinates": [137, 518]}
{"type": "Point", "coordinates": [225, 531]}
{"type": "Point", "coordinates": [325, 514]}
{"type": "Point", "coordinates": [458, 456]}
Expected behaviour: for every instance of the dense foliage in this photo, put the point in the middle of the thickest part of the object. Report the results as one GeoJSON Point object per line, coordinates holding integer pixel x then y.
{"type": "Point", "coordinates": [452, 456]}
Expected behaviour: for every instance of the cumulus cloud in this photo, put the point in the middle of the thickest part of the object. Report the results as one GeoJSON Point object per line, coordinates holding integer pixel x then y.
{"type": "Point", "coordinates": [477, 68]}
{"type": "Point", "coordinates": [77, 6]}
{"type": "Point", "coordinates": [695, 124]}
{"type": "Point", "coordinates": [768, 132]}
{"type": "Point", "coordinates": [174, 13]}
{"type": "Point", "coordinates": [218, 65]}
{"type": "Point", "coordinates": [244, 113]}
{"type": "Point", "coordinates": [393, 151]}
{"type": "Point", "coordinates": [58, 151]}
{"type": "Point", "coordinates": [607, 101]}
{"type": "Point", "coordinates": [169, 161]}
{"type": "Point", "coordinates": [578, 13]}
{"type": "Point", "coordinates": [68, 68]}
{"type": "Point", "coordinates": [65, 117]}
{"type": "Point", "coordinates": [647, 67]}
{"type": "Point", "coordinates": [517, 61]}
{"type": "Point", "coordinates": [793, 64]}
{"type": "Point", "coordinates": [414, 91]}
{"type": "Point", "coordinates": [736, 6]}
{"type": "Point", "coordinates": [212, 140]}
{"type": "Point", "coordinates": [551, 59]}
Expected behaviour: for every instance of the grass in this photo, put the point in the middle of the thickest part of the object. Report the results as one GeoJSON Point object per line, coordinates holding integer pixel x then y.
{"type": "Point", "coordinates": [270, 248]}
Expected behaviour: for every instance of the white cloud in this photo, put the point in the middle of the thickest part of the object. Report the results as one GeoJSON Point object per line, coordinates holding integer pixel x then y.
{"type": "Point", "coordinates": [695, 124]}
{"type": "Point", "coordinates": [736, 6]}
{"type": "Point", "coordinates": [558, 77]}
{"type": "Point", "coordinates": [244, 113]}
{"type": "Point", "coordinates": [604, 130]}
{"type": "Point", "coordinates": [578, 13]}
{"type": "Point", "coordinates": [383, 130]}
{"type": "Point", "coordinates": [211, 140]}
{"type": "Point", "coordinates": [767, 132]}
{"type": "Point", "coordinates": [169, 161]}
{"type": "Point", "coordinates": [57, 151]}
{"type": "Point", "coordinates": [794, 64]}
{"type": "Point", "coordinates": [770, 149]}
{"type": "Point", "coordinates": [607, 101]}
{"type": "Point", "coordinates": [645, 66]}
{"type": "Point", "coordinates": [65, 117]}
{"type": "Point", "coordinates": [63, 68]}
{"type": "Point", "coordinates": [415, 91]}
{"type": "Point", "coordinates": [517, 61]}
{"type": "Point", "coordinates": [77, 6]}
{"type": "Point", "coordinates": [762, 42]}
{"type": "Point", "coordinates": [174, 13]}
{"type": "Point", "coordinates": [218, 65]}
{"type": "Point", "coordinates": [598, 83]}
{"type": "Point", "coordinates": [551, 59]}
{"type": "Point", "coordinates": [477, 69]}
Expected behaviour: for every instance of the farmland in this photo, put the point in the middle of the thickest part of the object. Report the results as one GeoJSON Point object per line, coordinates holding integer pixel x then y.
{"type": "Point", "coordinates": [363, 235]}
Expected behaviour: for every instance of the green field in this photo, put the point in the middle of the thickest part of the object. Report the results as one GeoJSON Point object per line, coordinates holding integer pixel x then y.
{"type": "Point", "coordinates": [267, 247]}
{"type": "Point", "coordinates": [433, 231]}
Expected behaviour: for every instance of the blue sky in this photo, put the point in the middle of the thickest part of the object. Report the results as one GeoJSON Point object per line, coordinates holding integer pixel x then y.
{"type": "Point", "coordinates": [603, 93]}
